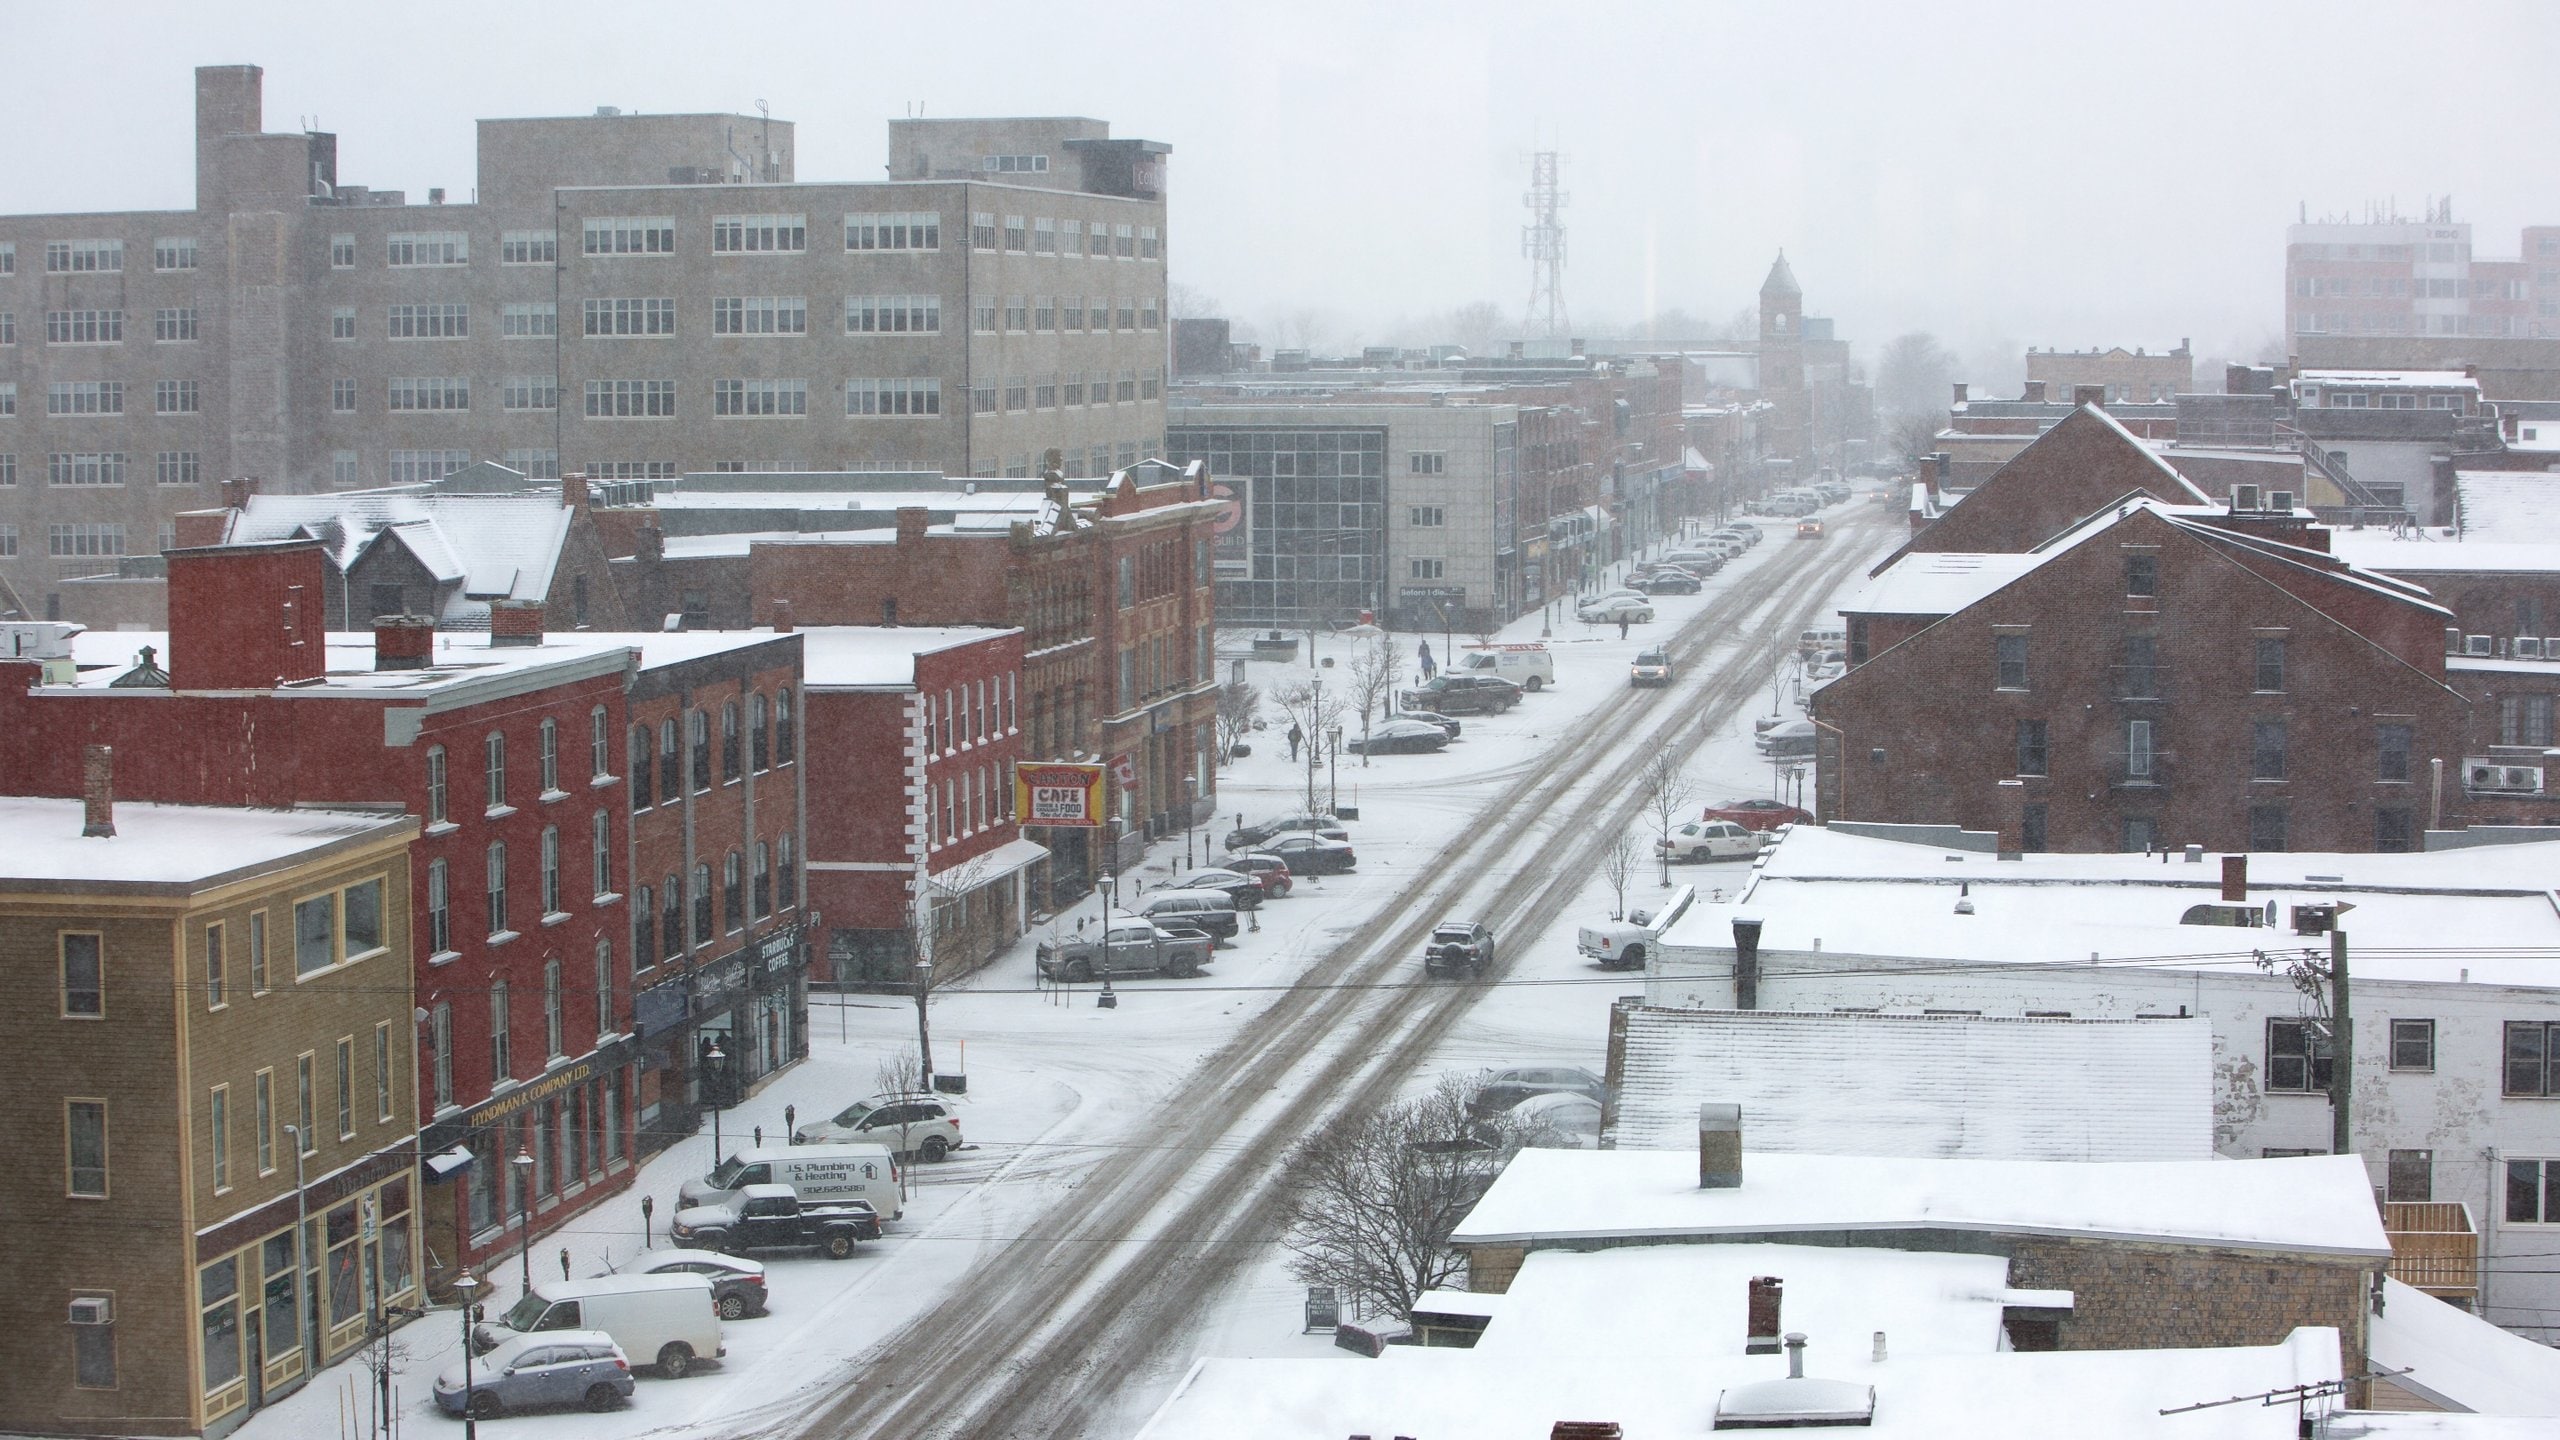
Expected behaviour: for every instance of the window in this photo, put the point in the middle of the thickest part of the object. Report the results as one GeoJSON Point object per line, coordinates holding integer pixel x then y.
{"type": "Point", "coordinates": [2413, 1045]}
{"type": "Point", "coordinates": [893, 315]}
{"type": "Point", "coordinates": [629, 316]}
{"type": "Point", "coordinates": [179, 467]}
{"type": "Point", "coordinates": [410, 466]}
{"type": "Point", "coordinates": [442, 321]}
{"type": "Point", "coordinates": [759, 234]}
{"type": "Point", "coordinates": [218, 1116]}
{"type": "Point", "coordinates": [2270, 664]}
{"type": "Point", "coordinates": [2410, 1177]}
{"type": "Point", "coordinates": [2266, 749]}
{"type": "Point", "coordinates": [215, 995]}
{"type": "Point", "coordinates": [1008, 164]}
{"type": "Point", "coordinates": [2009, 655]}
{"type": "Point", "coordinates": [265, 1120]}
{"type": "Point", "coordinates": [2137, 750]}
{"type": "Point", "coordinates": [439, 247]}
{"type": "Point", "coordinates": [528, 247]}
{"type": "Point", "coordinates": [982, 315]}
{"type": "Point", "coordinates": [68, 257]}
{"type": "Point", "coordinates": [83, 539]}
{"type": "Point", "coordinates": [620, 235]}
{"type": "Point", "coordinates": [1426, 462]}
{"type": "Point", "coordinates": [2391, 747]}
{"type": "Point", "coordinates": [2267, 828]}
{"type": "Point", "coordinates": [1017, 313]}
{"type": "Point", "coordinates": [8, 327]}
{"type": "Point", "coordinates": [1044, 393]}
{"type": "Point", "coordinates": [601, 854]}
{"type": "Point", "coordinates": [547, 752]}
{"type": "Point", "coordinates": [439, 909]}
{"type": "Point", "coordinates": [257, 952]}
{"type": "Point", "coordinates": [497, 889]}
{"type": "Point", "coordinates": [501, 1046]}
{"type": "Point", "coordinates": [786, 880]}
{"type": "Point", "coordinates": [893, 397]}
{"type": "Point", "coordinates": [433, 392]}
{"type": "Point", "coordinates": [1071, 313]}
{"type": "Point", "coordinates": [760, 397]}
{"type": "Point", "coordinates": [896, 230]}
{"type": "Point", "coordinates": [529, 320]}
{"type": "Point", "coordinates": [435, 785]}
{"type": "Point", "coordinates": [84, 978]}
{"type": "Point", "coordinates": [762, 895]}
{"type": "Point", "coordinates": [1125, 241]}
{"type": "Point", "coordinates": [552, 1007]}
{"type": "Point", "coordinates": [8, 257]}
{"type": "Point", "coordinates": [84, 397]}
{"type": "Point", "coordinates": [2031, 747]}
{"type": "Point", "coordinates": [342, 252]}
{"type": "Point", "coordinates": [631, 399]}
{"type": "Point", "coordinates": [172, 324]}
{"type": "Point", "coordinates": [306, 1105]}
{"type": "Point", "coordinates": [8, 541]}
{"type": "Point", "coordinates": [2297, 1057]}
{"type": "Point", "coordinates": [82, 468]}
{"type": "Point", "coordinates": [174, 397]}
{"type": "Point", "coordinates": [84, 1125]}
{"type": "Point", "coordinates": [346, 1087]}
{"type": "Point", "coordinates": [982, 401]}
{"type": "Point", "coordinates": [671, 917]}
{"type": "Point", "coordinates": [604, 990]}
{"type": "Point", "coordinates": [342, 397]}
{"type": "Point", "coordinates": [495, 769]}
{"type": "Point", "coordinates": [760, 315]}
{"type": "Point", "coordinates": [2533, 1058]}
{"type": "Point", "coordinates": [731, 757]}
{"type": "Point", "coordinates": [2533, 1192]}
{"type": "Point", "coordinates": [2391, 830]}
{"type": "Point", "coordinates": [551, 870]}
{"type": "Point", "coordinates": [1017, 397]}
{"type": "Point", "coordinates": [733, 893]}
{"type": "Point", "coordinates": [8, 399]}
{"type": "Point", "coordinates": [785, 737]}
{"type": "Point", "coordinates": [1149, 247]}
{"type": "Point", "coordinates": [1098, 241]}
{"type": "Point", "coordinates": [382, 1072]}
{"type": "Point", "coordinates": [2524, 720]}
{"type": "Point", "coordinates": [1017, 233]}
{"type": "Point", "coordinates": [702, 931]}
{"type": "Point", "coordinates": [2142, 575]}
{"type": "Point", "coordinates": [1421, 568]}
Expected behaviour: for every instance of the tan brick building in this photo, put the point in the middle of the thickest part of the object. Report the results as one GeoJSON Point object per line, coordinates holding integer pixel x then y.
{"type": "Point", "coordinates": [214, 1039]}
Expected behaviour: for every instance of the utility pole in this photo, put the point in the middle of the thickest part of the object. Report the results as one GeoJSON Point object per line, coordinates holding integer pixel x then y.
{"type": "Point", "coordinates": [2342, 1049]}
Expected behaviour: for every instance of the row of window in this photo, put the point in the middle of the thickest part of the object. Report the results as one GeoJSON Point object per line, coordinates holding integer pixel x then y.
{"type": "Point", "coordinates": [169, 324]}
{"type": "Point", "coordinates": [71, 398]}
{"type": "Point", "coordinates": [303, 1128]}
{"type": "Point", "coordinates": [2139, 758]}
{"type": "Point", "coordinates": [550, 897]}
{"type": "Point", "coordinates": [2299, 1055]}
{"type": "Point", "coordinates": [771, 737]}
{"type": "Point", "coordinates": [82, 257]}
{"type": "Point", "coordinates": [334, 928]}
{"type": "Point", "coordinates": [630, 235]}
{"type": "Point", "coordinates": [657, 399]}
{"type": "Point", "coordinates": [685, 919]}
{"type": "Point", "coordinates": [2137, 669]}
{"type": "Point", "coordinates": [547, 749]}
{"type": "Point", "coordinates": [968, 803]}
{"type": "Point", "coordinates": [106, 467]}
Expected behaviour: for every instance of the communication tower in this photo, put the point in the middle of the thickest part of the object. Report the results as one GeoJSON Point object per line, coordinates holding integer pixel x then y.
{"type": "Point", "coordinates": [1542, 240]}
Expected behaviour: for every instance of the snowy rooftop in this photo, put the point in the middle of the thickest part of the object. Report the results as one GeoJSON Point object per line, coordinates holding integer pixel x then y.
{"type": "Point", "coordinates": [1969, 1087]}
{"type": "Point", "coordinates": [2429, 379]}
{"type": "Point", "coordinates": [166, 845]}
{"type": "Point", "coordinates": [1840, 893]}
{"type": "Point", "coordinates": [461, 658]}
{"type": "Point", "coordinates": [840, 657]}
{"type": "Point", "coordinates": [2460, 1360]}
{"type": "Point", "coordinates": [498, 546]}
{"type": "Point", "coordinates": [2511, 507]}
{"type": "Point", "coordinates": [674, 647]}
{"type": "Point", "coordinates": [2318, 1203]}
{"type": "Point", "coordinates": [1019, 504]}
{"type": "Point", "coordinates": [2431, 551]}
{"type": "Point", "coordinates": [1938, 582]}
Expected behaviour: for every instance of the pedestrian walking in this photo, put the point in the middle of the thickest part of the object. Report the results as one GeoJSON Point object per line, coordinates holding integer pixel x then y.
{"type": "Point", "coordinates": [1428, 668]}
{"type": "Point", "coordinates": [1622, 627]}
{"type": "Point", "coordinates": [1295, 735]}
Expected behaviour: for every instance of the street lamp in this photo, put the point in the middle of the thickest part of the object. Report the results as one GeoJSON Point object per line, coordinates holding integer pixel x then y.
{"type": "Point", "coordinates": [715, 1068]}
{"type": "Point", "coordinates": [1333, 770]}
{"type": "Point", "coordinates": [466, 1287]}
{"type": "Point", "coordinates": [1111, 904]}
{"type": "Point", "coordinates": [523, 1164]}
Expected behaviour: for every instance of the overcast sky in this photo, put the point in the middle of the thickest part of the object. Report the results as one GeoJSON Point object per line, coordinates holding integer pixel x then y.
{"type": "Point", "coordinates": [2000, 175]}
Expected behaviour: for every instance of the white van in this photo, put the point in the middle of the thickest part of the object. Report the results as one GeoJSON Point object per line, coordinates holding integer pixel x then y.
{"type": "Point", "coordinates": [1821, 638]}
{"type": "Point", "coordinates": [818, 1174]}
{"type": "Point", "coordinates": [662, 1320]}
{"type": "Point", "coordinates": [1528, 666]}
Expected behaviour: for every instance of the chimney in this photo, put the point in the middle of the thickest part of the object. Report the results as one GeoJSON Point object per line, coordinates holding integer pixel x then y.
{"type": "Point", "coordinates": [236, 491]}
{"type": "Point", "coordinates": [515, 623]}
{"type": "Point", "coordinates": [98, 792]}
{"type": "Point", "coordinates": [201, 527]}
{"type": "Point", "coordinates": [889, 611]}
{"type": "Point", "coordinates": [1960, 391]}
{"type": "Point", "coordinates": [1795, 1354]}
{"type": "Point", "coordinates": [573, 490]}
{"type": "Point", "coordinates": [246, 617]}
{"type": "Point", "coordinates": [2235, 878]}
{"type": "Point", "coordinates": [403, 642]}
{"type": "Point", "coordinates": [1760, 1335]}
{"type": "Point", "coordinates": [650, 545]}
{"type": "Point", "coordinates": [1945, 463]}
{"type": "Point", "coordinates": [781, 617]}
{"type": "Point", "coordinates": [1746, 964]}
{"type": "Point", "coordinates": [2088, 395]}
{"type": "Point", "coordinates": [1719, 1147]}
{"type": "Point", "coordinates": [912, 520]}
{"type": "Point", "coordinates": [2035, 392]}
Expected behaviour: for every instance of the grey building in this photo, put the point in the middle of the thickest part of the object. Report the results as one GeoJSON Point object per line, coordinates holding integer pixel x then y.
{"type": "Point", "coordinates": [632, 296]}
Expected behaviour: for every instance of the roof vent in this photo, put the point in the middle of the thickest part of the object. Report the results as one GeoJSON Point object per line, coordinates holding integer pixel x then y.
{"type": "Point", "coordinates": [1795, 1403]}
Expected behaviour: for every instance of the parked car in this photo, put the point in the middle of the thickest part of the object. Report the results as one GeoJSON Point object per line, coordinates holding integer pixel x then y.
{"type": "Point", "coordinates": [1633, 609]}
{"type": "Point", "coordinates": [1506, 1088]}
{"type": "Point", "coordinates": [1239, 890]}
{"type": "Point", "coordinates": [1708, 560]}
{"type": "Point", "coordinates": [662, 1318]}
{"type": "Point", "coordinates": [1448, 724]}
{"type": "Point", "coordinates": [1458, 947]}
{"type": "Point", "coordinates": [1130, 945]}
{"type": "Point", "coordinates": [737, 1282]}
{"type": "Point", "coordinates": [1268, 868]}
{"type": "Point", "coordinates": [1708, 840]}
{"type": "Point", "coordinates": [1201, 909]}
{"type": "Point", "coordinates": [1314, 855]}
{"type": "Point", "coordinates": [1651, 668]}
{"type": "Point", "coordinates": [1669, 582]}
{"type": "Point", "coordinates": [534, 1372]}
{"type": "Point", "coordinates": [1620, 593]}
{"type": "Point", "coordinates": [1524, 663]}
{"type": "Point", "coordinates": [770, 1217]}
{"type": "Point", "coordinates": [1250, 837]}
{"type": "Point", "coordinates": [1398, 736]}
{"type": "Point", "coordinates": [1557, 1120]}
{"type": "Point", "coordinates": [1749, 535]}
{"type": "Point", "coordinates": [901, 1124]}
{"type": "Point", "coordinates": [1790, 741]}
{"type": "Point", "coordinates": [1448, 694]}
{"type": "Point", "coordinates": [1758, 813]}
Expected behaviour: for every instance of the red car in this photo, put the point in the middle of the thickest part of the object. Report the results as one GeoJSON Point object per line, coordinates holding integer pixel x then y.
{"type": "Point", "coordinates": [1271, 870]}
{"type": "Point", "coordinates": [1758, 814]}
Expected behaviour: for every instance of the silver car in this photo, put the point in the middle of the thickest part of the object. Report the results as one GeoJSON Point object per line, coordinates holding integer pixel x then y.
{"type": "Point", "coordinates": [537, 1371]}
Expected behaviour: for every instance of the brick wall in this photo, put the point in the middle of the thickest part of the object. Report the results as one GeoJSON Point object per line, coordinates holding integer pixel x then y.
{"type": "Point", "coordinates": [2140, 1297]}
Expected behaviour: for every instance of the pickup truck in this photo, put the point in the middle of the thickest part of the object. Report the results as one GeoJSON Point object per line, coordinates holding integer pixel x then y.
{"type": "Point", "coordinates": [1131, 945]}
{"type": "Point", "coordinates": [1624, 944]}
{"type": "Point", "coordinates": [771, 1217]}
{"type": "Point", "coordinates": [1462, 695]}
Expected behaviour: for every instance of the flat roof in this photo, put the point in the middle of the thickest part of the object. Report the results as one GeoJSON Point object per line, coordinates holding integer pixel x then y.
{"type": "Point", "coordinates": [2439, 379]}
{"type": "Point", "coordinates": [861, 657]}
{"type": "Point", "coordinates": [2316, 1203]}
{"type": "Point", "coordinates": [460, 658]}
{"type": "Point", "coordinates": [2513, 506]}
{"type": "Point", "coordinates": [2420, 552]}
{"type": "Point", "coordinates": [170, 846]}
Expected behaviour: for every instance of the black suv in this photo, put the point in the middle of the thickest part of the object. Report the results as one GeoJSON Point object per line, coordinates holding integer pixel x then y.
{"type": "Point", "coordinates": [1458, 947]}
{"type": "Point", "coordinates": [1250, 837]}
{"type": "Point", "coordinates": [1462, 695]}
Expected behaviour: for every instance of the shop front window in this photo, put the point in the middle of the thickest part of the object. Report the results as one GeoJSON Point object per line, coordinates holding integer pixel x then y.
{"type": "Point", "coordinates": [218, 1296]}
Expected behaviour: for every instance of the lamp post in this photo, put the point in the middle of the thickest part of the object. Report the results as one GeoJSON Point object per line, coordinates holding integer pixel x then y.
{"type": "Point", "coordinates": [1333, 769]}
{"type": "Point", "coordinates": [466, 1287]}
{"type": "Point", "coordinates": [301, 1261]}
{"type": "Point", "coordinates": [924, 1031]}
{"type": "Point", "coordinates": [1189, 803]}
{"type": "Point", "coordinates": [715, 1069]}
{"type": "Point", "coordinates": [523, 1166]}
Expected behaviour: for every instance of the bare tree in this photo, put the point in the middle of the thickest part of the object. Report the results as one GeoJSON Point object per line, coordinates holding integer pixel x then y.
{"type": "Point", "coordinates": [1914, 437]}
{"type": "Point", "coordinates": [1378, 1195]}
{"type": "Point", "coordinates": [1913, 376]}
{"type": "Point", "coordinates": [1666, 798]}
{"type": "Point", "coordinates": [1314, 708]}
{"type": "Point", "coordinates": [1377, 668]}
{"type": "Point", "coordinates": [948, 942]}
{"type": "Point", "coordinates": [1239, 705]}
{"type": "Point", "coordinates": [1618, 866]}
{"type": "Point", "coordinates": [899, 1074]}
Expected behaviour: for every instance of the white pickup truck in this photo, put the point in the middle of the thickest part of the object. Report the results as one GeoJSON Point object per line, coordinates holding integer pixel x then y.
{"type": "Point", "coordinates": [1624, 944]}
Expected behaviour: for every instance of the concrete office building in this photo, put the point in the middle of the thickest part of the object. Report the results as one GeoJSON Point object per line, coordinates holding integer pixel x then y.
{"type": "Point", "coordinates": [635, 296]}
{"type": "Point", "coordinates": [2392, 276]}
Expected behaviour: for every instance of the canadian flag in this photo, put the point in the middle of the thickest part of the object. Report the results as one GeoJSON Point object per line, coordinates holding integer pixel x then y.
{"type": "Point", "coordinates": [1125, 770]}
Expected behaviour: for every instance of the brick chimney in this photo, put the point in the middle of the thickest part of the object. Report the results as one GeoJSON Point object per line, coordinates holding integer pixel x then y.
{"type": "Point", "coordinates": [2235, 878]}
{"type": "Point", "coordinates": [2088, 395]}
{"type": "Point", "coordinates": [1760, 1330]}
{"type": "Point", "coordinates": [1719, 1147]}
{"type": "Point", "coordinates": [2035, 392]}
{"type": "Point", "coordinates": [573, 490]}
{"type": "Point", "coordinates": [1586, 1430]}
{"type": "Point", "coordinates": [98, 792]}
{"type": "Point", "coordinates": [912, 522]}
{"type": "Point", "coordinates": [515, 623]}
{"type": "Point", "coordinates": [248, 616]}
{"type": "Point", "coordinates": [1746, 964]}
{"type": "Point", "coordinates": [403, 642]}
{"type": "Point", "coordinates": [1961, 387]}
{"type": "Point", "coordinates": [650, 545]}
{"type": "Point", "coordinates": [236, 491]}
{"type": "Point", "coordinates": [781, 617]}
{"type": "Point", "coordinates": [202, 527]}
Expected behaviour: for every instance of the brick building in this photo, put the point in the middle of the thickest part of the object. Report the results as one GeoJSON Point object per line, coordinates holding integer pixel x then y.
{"type": "Point", "coordinates": [2125, 377]}
{"type": "Point", "coordinates": [214, 1041]}
{"type": "Point", "coordinates": [636, 295]}
{"type": "Point", "coordinates": [928, 720]}
{"type": "Point", "coordinates": [2388, 276]}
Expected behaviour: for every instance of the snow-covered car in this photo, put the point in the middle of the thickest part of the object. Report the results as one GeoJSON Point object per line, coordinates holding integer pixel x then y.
{"type": "Point", "coordinates": [1669, 581]}
{"type": "Point", "coordinates": [1758, 813]}
{"type": "Point", "coordinates": [1447, 723]}
{"type": "Point", "coordinates": [1506, 1088]}
{"type": "Point", "coordinates": [1448, 694]}
{"type": "Point", "coordinates": [1790, 741]}
{"type": "Point", "coordinates": [1708, 840]}
{"type": "Point", "coordinates": [1623, 944]}
{"type": "Point", "coordinates": [1199, 908]}
{"type": "Point", "coordinates": [1622, 592]}
{"type": "Point", "coordinates": [1556, 1120]}
{"type": "Point", "coordinates": [1459, 948]}
{"type": "Point", "coordinates": [1251, 837]}
{"type": "Point", "coordinates": [1264, 866]}
{"type": "Point", "coordinates": [1398, 737]}
{"type": "Point", "coordinates": [1631, 609]}
{"type": "Point", "coordinates": [1651, 668]}
{"type": "Point", "coordinates": [1314, 854]}
{"type": "Point", "coordinates": [737, 1281]}
{"type": "Point", "coordinates": [1242, 891]}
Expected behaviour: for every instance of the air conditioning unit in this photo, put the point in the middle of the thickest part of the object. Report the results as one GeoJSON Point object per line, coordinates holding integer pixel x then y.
{"type": "Point", "coordinates": [2484, 775]}
{"type": "Point", "coordinates": [2525, 779]}
{"type": "Point", "coordinates": [2244, 497]}
{"type": "Point", "coordinates": [2475, 645]}
{"type": "Point", "coordinates": [2551, 647]}
{"type": "Point", "coordinates": [92, 1310]}
{"type": "Point", "coordinates": [2281, 500]}
{"type": "Point", "coordinates": [2452, 640]}
{"type": "Point", "coordinates": [2527, 647]}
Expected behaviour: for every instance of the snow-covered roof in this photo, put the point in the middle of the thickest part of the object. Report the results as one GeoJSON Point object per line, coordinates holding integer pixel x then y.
{"type": "Point", "coordinates": [1598, 1303]}
{"type": "Point", "coordinates": [674, 647]}
{"type": "Point", "coordinates": [1843, 894]}
{"type": "Point", "coordinates": [2459, 1360]}
{"type": "Point", "coordinates": [2514, 507]}
{"type": "Point", "coordinates": [1020, 504]}
{"type": "Point", "coordinates": [1973, 1087]}
{"type": "Point", "coordinates": [2399, 379]}
{"type": "Point", "coordinates": [852, 657]}
{"type": "Point", "coordinates": [461, 659]}
{"type": "Point", "coordinates": [2316, 1203]}
{"type": "Point", "coordinates": [499, 547]}
{"type": "Point", "coordinates": [2424, 552]}
{"type": "Point", "coordinates": [1939, 582]}
{"type": "Point", "coordinates": [167, 845]}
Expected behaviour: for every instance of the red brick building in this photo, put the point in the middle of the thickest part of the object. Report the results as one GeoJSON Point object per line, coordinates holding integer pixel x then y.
{"type": "Point", "coordinates": [928, 722]}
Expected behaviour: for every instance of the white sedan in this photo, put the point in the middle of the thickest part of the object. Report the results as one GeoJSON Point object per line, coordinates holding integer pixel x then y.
{"type": "Point", "coordinates": [1610, 610]}
{"type": "Point", "coordinates": [1708, 840]}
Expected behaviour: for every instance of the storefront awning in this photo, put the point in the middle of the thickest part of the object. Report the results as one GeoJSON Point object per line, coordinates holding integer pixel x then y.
{"type": "Point", "coordinates": [444, 1165]}
{"type": "Point", "coordinates": [1004, 861]}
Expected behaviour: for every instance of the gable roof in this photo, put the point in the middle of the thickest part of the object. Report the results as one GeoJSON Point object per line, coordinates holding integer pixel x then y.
{"type": "Point", "coordinates": [1960, 1086]}
{"type": "Point", "coordinates": [2084, 458]}
{"type": "Point", "coordinates": [497, 547]}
